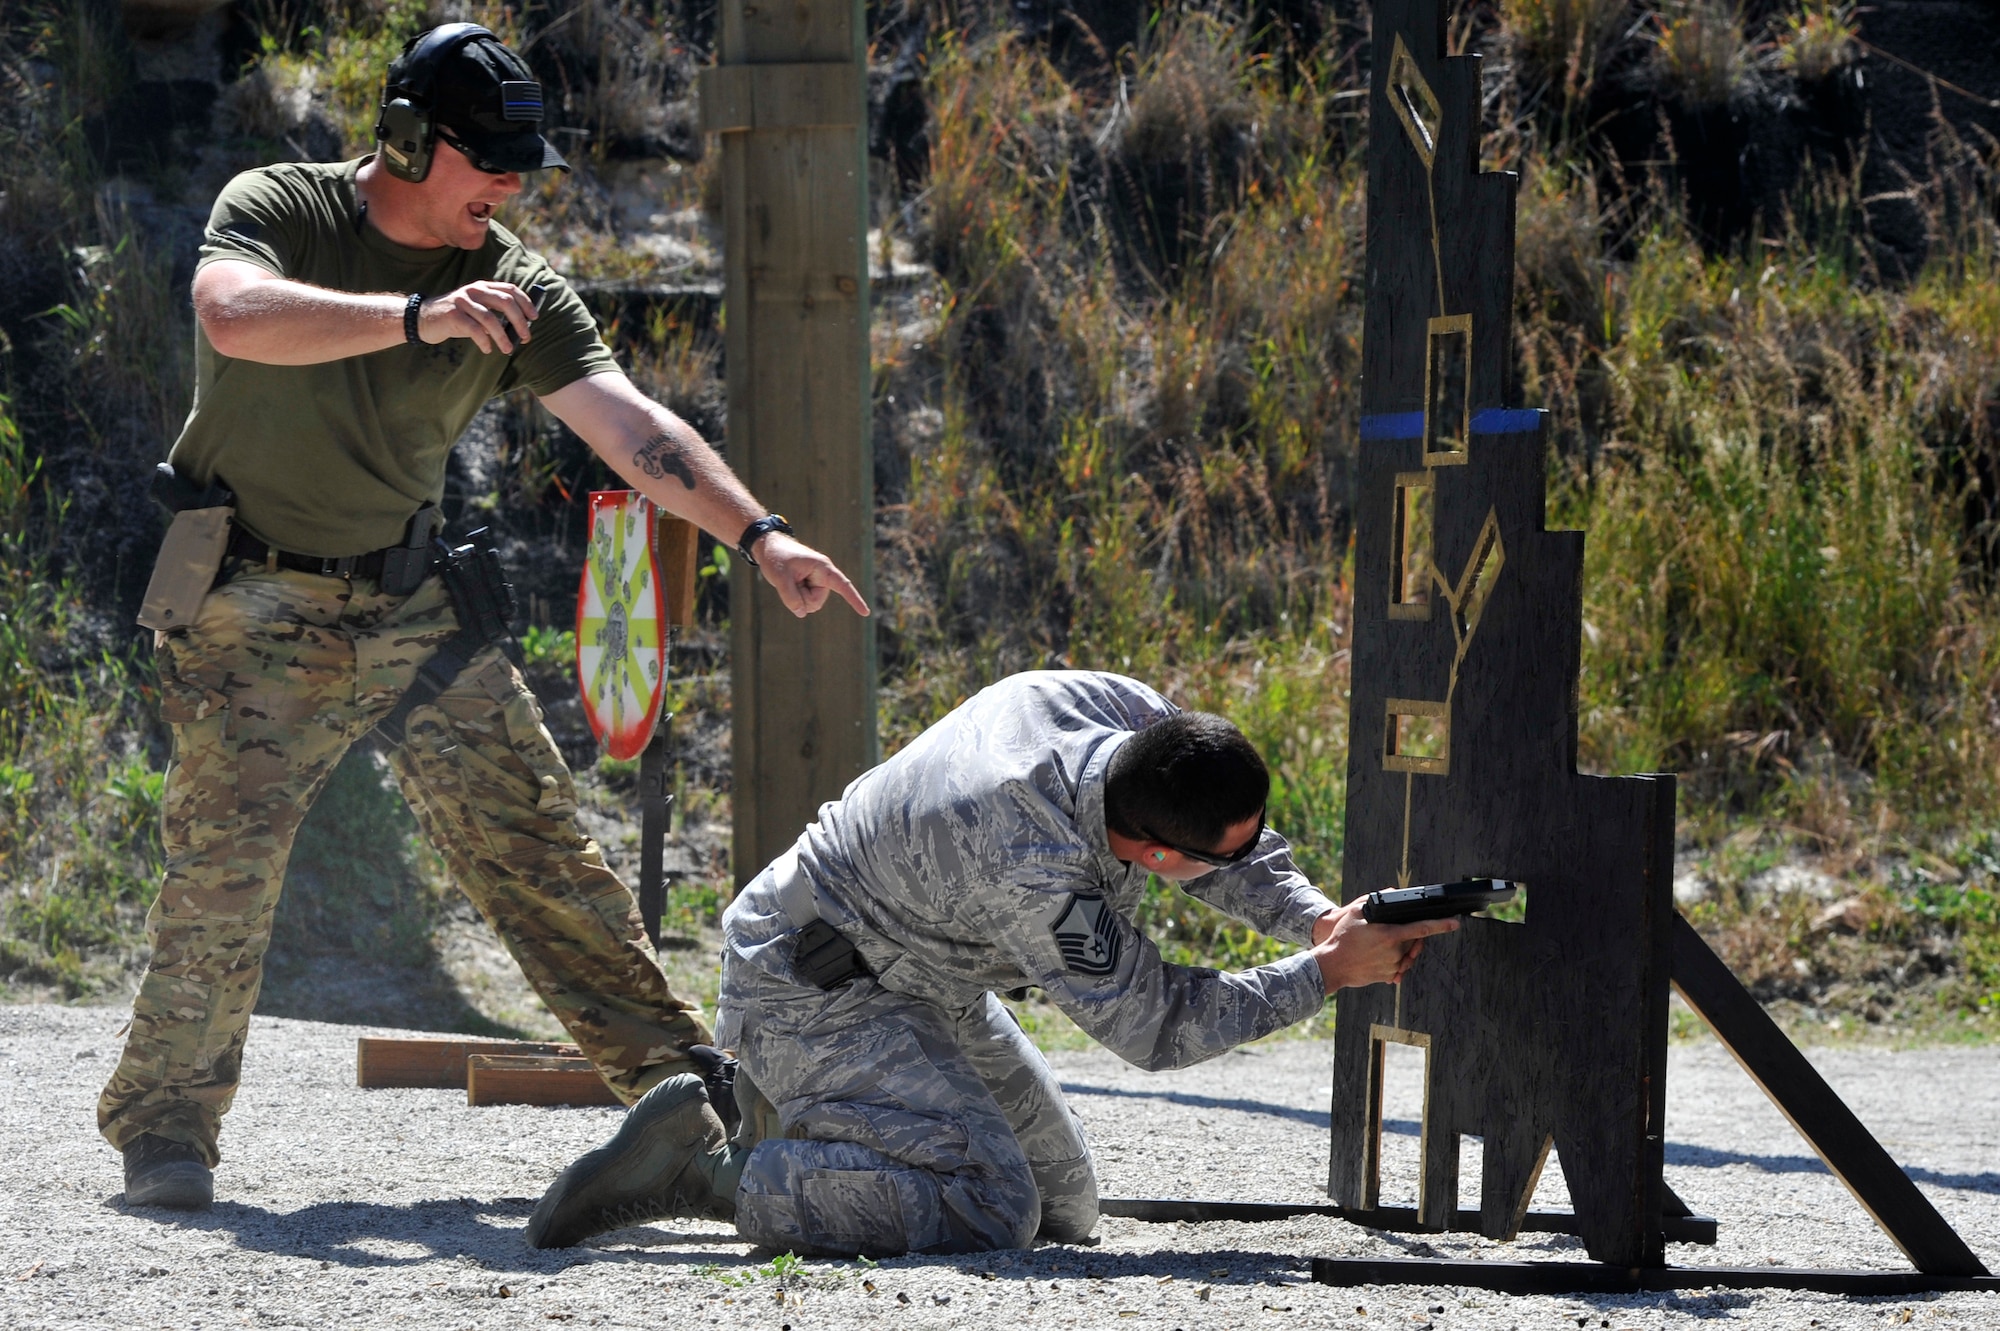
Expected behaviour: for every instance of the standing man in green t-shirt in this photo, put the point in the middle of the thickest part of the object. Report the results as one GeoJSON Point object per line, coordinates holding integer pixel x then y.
{"type": "Point", "coordinates": [352, 319]}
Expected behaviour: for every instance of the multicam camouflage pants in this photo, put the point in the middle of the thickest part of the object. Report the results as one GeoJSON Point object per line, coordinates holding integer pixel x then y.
{"type": "Point", "coordinates": [907, 1128]}
{"type": "Point", "coordinates": [264, 693]}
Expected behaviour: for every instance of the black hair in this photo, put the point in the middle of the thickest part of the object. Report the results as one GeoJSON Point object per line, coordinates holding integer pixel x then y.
{"type": "Point", "coordinates": [1186, 779]}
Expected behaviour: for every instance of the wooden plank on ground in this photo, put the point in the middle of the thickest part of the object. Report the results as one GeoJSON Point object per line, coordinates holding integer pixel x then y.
{"type": "Point", "coordinates": [512, 1079]}
{"type": "Point", "coordinates": [1820, 1116]}
{"type": "Point", "coordinates": [432, 1063]}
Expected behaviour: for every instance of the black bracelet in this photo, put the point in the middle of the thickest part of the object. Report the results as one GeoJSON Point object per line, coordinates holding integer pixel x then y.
{"type": "Point", "coordinates": [410, 308]}
{"type": "Point", "coordinates": [762, 527]}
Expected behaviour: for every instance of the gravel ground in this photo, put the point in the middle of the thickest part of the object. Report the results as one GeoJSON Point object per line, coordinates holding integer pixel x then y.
{"type": "Point", "coordinates": [342, 1207]}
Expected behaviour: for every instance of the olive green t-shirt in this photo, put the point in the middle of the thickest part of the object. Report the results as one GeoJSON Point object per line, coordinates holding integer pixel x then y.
{"type": "Point", "coordinates": [332, 459]}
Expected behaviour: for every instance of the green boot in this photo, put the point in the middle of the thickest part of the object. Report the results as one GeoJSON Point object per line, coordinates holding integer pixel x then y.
{"type": "Point", "coordinates": [668, 1158]}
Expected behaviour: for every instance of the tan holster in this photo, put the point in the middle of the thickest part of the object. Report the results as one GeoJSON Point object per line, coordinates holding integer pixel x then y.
{"type": "Point", "coordinates": [189, 559]}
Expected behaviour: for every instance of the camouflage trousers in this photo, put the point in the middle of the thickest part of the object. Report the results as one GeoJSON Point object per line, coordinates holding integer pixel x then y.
{"type": "Point", "coordinates": [279, 675]}
{"type": "Point", "coordinates": [907, 1128]}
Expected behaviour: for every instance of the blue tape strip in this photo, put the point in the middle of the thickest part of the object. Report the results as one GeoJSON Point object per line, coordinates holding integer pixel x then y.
{"type": "Point", "coordinates": [1505, 420]}
{"type": "Point", "coordinates": [1393, 425]}
{"type": "Point", "coordinates": [1410, 424]}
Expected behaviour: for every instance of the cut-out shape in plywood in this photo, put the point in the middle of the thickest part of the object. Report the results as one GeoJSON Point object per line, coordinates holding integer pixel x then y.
{"type": "Point", "coordinates": [1416, 736]}
{"type": "Point", "coordinates": [1552, 1032]}
{"type": "Point", "coordinates": [1413, 101]}
{"type": "Point", "coordinates": [1410, 547]}
{"type": "Point", "coordinates": [1447, 389]}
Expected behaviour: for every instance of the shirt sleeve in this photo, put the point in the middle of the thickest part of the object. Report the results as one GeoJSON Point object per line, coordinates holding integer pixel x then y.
{"type": "Point", "coordinates": [565, 345]}
{"type": "Point", "coordinates": [1266, 892]}
{"type": "Point", "coordinates": [1110, 979]}
{"type": "Point", "coordinates": [253, 221]}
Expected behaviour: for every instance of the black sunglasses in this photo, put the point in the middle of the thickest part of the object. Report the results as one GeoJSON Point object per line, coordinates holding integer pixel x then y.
{"type": "Point", "coordinates": [471, 155]}
{"type": "Point", "coordinates": [1240, 854]}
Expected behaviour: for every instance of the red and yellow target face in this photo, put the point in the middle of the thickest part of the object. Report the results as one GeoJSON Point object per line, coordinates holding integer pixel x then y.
{"type": "Point", "coordinates": [621, 624]}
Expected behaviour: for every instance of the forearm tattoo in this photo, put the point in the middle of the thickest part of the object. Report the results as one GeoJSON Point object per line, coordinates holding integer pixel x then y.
{"type": "Point", "coordinates": [663, 455]}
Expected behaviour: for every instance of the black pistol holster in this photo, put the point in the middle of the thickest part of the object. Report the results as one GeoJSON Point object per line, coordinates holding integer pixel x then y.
{"type": "Point", "coordinates": [825, 959]}
{"type": "Point", "coordinates": [483, 600]}
{"type": "Point", "coordinates": [405, 566]}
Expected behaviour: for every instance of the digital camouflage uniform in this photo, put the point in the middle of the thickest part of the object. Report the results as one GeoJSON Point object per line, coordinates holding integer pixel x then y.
{"type": "Point", "coordinates": [283, 670]}
{"type": "Point", "coordinates": [916, 1115]}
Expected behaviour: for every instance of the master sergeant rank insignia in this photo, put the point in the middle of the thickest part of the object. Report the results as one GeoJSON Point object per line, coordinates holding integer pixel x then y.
{"type": "Point", "coordinates": [1087, 934]}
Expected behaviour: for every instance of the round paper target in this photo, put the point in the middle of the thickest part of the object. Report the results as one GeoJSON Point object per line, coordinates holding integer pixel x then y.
{"type": "Point", "coordinates": [621, 624]}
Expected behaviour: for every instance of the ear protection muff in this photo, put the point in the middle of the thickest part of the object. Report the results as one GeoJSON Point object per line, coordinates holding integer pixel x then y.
{"type": "Point", "coordinates": [404, 130]}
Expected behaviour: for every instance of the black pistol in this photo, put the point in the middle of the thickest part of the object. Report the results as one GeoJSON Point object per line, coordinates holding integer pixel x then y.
{"type": "Point", "coordinates": [1435, 901]}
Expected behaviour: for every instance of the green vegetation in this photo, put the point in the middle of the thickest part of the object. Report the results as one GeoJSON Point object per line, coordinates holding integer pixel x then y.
{"type": "Point", "coordinates": [79, 778]}
{"type": "Point", "coordinates": [79, 808]}
{"type": "Point", "coordinates": [1146, 412]}
{"type": "Point", "coordinates": [1118, 431]}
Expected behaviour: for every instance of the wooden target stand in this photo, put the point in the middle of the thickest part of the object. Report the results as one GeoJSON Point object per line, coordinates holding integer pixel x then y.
{"type": "Point", "coordinates": [1550, 1032]}
{"type": "Point", "coordinates": [638, 587]}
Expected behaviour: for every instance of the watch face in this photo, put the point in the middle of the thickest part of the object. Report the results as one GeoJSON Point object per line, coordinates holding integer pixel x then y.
{"type": "Point", "coordinates": [762, 527]}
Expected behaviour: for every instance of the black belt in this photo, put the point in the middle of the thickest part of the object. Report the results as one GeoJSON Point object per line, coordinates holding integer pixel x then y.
{"type": "Point", "coordinates": [242, 545]}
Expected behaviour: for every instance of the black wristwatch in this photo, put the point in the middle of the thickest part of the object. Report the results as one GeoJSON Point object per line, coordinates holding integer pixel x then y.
{"type": "Point", "coordinates": [757, 530]}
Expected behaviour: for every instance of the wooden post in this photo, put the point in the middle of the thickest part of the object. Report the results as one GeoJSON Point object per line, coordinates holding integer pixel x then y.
{"type": "Point", "coordinates": [788, 100]}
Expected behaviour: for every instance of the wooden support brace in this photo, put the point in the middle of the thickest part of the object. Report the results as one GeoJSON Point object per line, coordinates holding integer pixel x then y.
{"type": "Point", "coordinates": [1604, 1278]}
{"type": "Point", "coordinates": [431, 1063]}
{"type": "Point", "coordinates": [1676, 1228]}
{"type": "Point", "coordinates": [1827, 1124]}
{"type": "Point", "coordinates": [735, 98]}
{"type": "Point", "coordinates": [512, 1079]}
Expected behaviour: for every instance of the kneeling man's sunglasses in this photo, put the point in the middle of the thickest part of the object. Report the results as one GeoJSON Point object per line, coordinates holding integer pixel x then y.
{"type": "Point", "coordinates": [1237, 856]}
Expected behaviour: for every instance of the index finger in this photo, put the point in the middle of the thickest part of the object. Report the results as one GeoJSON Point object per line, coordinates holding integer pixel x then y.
{"type": "Point", "coordinates": [1425, 928]}
{"type": "Point", "coordinates": [841, 585]}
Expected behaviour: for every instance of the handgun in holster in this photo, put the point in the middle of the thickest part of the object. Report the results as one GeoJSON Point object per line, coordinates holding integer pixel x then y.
{"type": "Point", "coordinates": [480, 593]}
{"type": "Point", "coordinates": [483, 600]}
{"type": "Point", "coordinates": [823, 958]}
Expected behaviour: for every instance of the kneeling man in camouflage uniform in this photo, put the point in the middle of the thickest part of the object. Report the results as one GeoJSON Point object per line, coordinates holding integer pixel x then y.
{"type": "Point", "coordinates": [353, 317]}
{"type": "Point", "coordinates": [1006, 846]}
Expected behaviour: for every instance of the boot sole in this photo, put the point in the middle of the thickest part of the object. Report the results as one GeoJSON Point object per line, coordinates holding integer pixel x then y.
{"type": "Point", "coordinates": [601, 1181]}
{"type": "Point", "coordinates": [183, 1185]}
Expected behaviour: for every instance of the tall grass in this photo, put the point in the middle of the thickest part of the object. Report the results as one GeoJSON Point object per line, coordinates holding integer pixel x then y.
{"type": "Point", "coordinates": [1780, 589]}
{"type": "Point", "coordinates": [79, 804]}
{"type": "Point", "coordinates": [1148, 452]}
{"type": "Point", "coordinates": [79, 785]}
{"type": "Point", "coordinates": [1560, 48]}
{"type": "Point", "coordinates": [1149, 331]}
{"type": "Point", "coordinates": [1142, 449]}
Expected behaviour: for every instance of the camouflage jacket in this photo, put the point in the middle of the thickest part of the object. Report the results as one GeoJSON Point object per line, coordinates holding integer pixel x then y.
{"type": "Point", "coordinates": [976, 859]}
